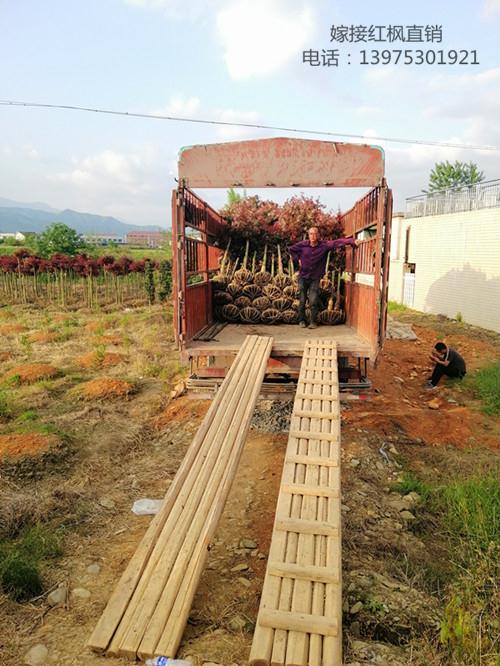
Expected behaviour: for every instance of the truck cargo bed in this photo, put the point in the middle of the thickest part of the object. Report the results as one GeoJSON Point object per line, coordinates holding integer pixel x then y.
{"type": "Point", "coordinates": [288, 339]}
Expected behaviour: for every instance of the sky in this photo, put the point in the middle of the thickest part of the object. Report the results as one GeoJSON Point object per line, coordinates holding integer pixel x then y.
{"type": "Point", "coordinates": [235, 61]}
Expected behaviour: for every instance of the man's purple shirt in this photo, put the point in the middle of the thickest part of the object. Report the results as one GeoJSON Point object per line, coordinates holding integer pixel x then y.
{"type": "Point", "coordinates": [313, 259]}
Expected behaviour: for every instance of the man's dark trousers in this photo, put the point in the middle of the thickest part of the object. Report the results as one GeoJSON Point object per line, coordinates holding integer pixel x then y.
{"type": "Point", "coordinates": [309, 289]}
{"type": "Point", "coordinates": [441, 370]}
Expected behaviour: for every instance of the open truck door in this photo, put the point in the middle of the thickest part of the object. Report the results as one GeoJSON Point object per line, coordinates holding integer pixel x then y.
{"type": "Point", "coordinates": [195, 256]}
{"type": "Point", "coordinates": [368, 266]}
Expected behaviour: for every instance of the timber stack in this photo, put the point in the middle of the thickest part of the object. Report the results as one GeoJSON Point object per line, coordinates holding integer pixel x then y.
{"type": "Point", "coordinates": [149, 608]}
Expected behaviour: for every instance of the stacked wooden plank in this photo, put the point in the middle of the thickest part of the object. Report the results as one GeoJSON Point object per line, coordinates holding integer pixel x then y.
{"type": "Point", "coordinates": [149, 608]}
{"type": "Point", "coordinates": [299, 620]}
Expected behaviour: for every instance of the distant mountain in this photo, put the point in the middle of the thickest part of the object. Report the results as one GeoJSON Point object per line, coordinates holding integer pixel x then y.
{"type": "Point", "coordinates": [37, 205]}
{"type": "Point", "coordinates": [16, 218]}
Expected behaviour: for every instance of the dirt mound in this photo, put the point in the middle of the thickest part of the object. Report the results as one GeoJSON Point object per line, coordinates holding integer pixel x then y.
{"type": "Point", "coordinates": [108, 340]}
{"type": "Point", "coordinates": [95, 360]}
{"type": "Point", "coordinates": [31, 444]}
{"type": "Point", "coordinates": [181, 410]}
{"type": "Point", "coordinates": [31, 372]}
{"type": "Point", "coordinates": [42, 336]}
{"type": "Point", "coordinates": [104, 388]}
{"type": "Point", "coordinates": [11, 329]}
{"type": "Point", "coordinates": [96, 326]}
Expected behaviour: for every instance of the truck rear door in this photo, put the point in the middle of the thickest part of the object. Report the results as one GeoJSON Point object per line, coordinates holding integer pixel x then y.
{"type": "Point", "coordinates": [195, 257]}
{"type": "Point", "coordinates": [368, 265]}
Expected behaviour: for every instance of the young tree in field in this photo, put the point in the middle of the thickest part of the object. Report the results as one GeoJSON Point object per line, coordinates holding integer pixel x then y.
{"type": "Point", "coordinates": [58, 238]}
{"type": "Point", "coordinates": [446, 175]}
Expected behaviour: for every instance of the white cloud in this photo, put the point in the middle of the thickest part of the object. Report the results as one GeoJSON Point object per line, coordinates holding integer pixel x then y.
{"type": "Point", "coordinates": [191, 107]}
{"type": "Point", "coordinates": [179, 9]}
{"type": "Point", "coordinates": [111, 171]}
{"type": "Point", "coordinates": [367, 110]}
{"type": "Point", "coordinates": [181, 107]}
{"type": "Point", "coordinates": [259, 37]}
{"type": "Point", "coordinates": [231, 116]}
{"type": "Point", "coordinates": [491, 7]}
{"type": "Point", "coordinates": [474, 99]}
{"type": "Point", "coordinates": [370, 133]}
{"type": "Point", "coordinates": [31, 152]}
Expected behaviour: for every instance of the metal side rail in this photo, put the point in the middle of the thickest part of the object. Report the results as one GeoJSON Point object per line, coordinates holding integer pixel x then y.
{"type": "Point", "coordinates": [300, 616]}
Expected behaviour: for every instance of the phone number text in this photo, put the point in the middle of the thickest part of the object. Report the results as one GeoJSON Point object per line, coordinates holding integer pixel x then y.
{"type": "Point", "coordinates": [332, 57]}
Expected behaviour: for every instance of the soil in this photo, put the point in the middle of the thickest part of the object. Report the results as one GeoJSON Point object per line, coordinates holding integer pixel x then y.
{"type": "Point", "coordinates": [96, 360]}
{"type": "Point", "coordinates": [42, 336]}
{"type": "Point", "coordinates": [401, 404]}
{"type": "Point", "coordinates": [31, 372]}
{"type": "Point", "coordinates": [124, 451]}
{"type": "Point", "coordinates": [104, 388]}
{"type": "Point", "coordinates": [11, 329]}
{"type": "Point", "coordinates": [95, 326]}
{"type": "Point", "coordinates": [25, 445]}
{"type": "Point", "coordinates": [108, 340]}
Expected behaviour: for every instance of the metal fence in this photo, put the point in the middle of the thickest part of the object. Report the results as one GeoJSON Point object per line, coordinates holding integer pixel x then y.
{"type": "Point", "coordinates": [472, 197]}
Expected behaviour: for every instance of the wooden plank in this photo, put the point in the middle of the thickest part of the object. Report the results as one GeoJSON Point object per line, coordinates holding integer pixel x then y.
{"type": "Point", "coordinates": [307, 573]}
{"type": "Point", "coordinates": [311, 414]}
{"type": "Point", "coordinates": [321, 382]}
{"type": "Point", "coordinates": [302, 526]}
{"type": "Point", "coordinates": [295, 644]}
{"type": "Point", "coordinates": [311, 460]}
{"type": "Point", "coordinates": [303, 648]}
{"type": "Point", "coordinates": [316, 436]}
{"type": "Point", "coordinates": [179, 596]}
{"type": "Point", "coordinates": [312, 396]}
{"type": "Point", "coordinates": [145, 623]}
{"type": "Point", "coordinates": [143, 601]}
{"type": "Point", "coordinates": [113, 613]}
{"type": "Point", "coordinates": [306, 490]}
{"type": "Point", "coordinates": [303, 622]}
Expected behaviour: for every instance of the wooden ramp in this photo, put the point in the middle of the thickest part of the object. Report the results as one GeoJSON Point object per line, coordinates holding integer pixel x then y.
{"type": "Point", "coordinates": [149, 608]}
{"type": "Point", "coordinates": [300, 615]}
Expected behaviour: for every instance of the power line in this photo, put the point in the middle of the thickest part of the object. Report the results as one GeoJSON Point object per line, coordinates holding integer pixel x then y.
{"type": "Point", "coordinates": [200, 121]}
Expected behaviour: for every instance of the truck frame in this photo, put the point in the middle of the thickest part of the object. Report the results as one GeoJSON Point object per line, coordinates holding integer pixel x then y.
{"type": "Point", "coordinates": [208, 348]}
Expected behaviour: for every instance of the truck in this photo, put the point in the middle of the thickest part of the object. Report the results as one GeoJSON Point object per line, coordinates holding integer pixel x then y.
{"type": "Point", "coordinates": [208, 347]}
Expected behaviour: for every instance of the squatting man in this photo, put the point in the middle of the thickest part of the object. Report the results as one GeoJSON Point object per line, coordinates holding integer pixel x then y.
{"type": "Point", "coordinates": [447, 362]}
{"type": "Point", "coordinates": [311, 255]}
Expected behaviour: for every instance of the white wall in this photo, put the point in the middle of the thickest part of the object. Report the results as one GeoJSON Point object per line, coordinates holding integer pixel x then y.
{"type": "Point", "coordinates": [457, 264]}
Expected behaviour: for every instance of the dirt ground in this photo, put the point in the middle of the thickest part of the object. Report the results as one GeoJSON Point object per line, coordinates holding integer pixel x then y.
{"type": "Point", "coordinates": [128, 446]}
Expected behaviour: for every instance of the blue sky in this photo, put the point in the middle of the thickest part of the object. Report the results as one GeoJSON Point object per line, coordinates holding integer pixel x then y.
{"type": "Point", "coordinates": [232, 60]}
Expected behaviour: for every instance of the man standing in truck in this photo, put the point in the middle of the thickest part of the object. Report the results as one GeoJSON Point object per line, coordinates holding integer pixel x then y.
{"type": "Point", "coordinates": [311, 255]}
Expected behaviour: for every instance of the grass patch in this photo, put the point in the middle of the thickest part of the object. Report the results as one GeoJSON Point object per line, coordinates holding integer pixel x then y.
{"type": "Point", "coordinates": [466, 513]}
{"type": "Point", "coordinates": [471, 512]}
{"type": "Point", "coordinates": [21, 561]}
{"type": "Point", "coordinates": [6, 406]}
{"type": "Point", "coordinates": [394, 306]}
{"type": "Point", "coordinates": [410, 483]}
{"type": "Point", "coordinates": [487, 385]}
{"type": "Point", "coordinates": [28, 416]}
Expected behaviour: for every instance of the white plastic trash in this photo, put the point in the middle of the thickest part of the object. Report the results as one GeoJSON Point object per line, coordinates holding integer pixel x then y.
{"type": "Point", "coordinates": [146, 507]}
{"type": "Point", "coordinates": [167, 661]}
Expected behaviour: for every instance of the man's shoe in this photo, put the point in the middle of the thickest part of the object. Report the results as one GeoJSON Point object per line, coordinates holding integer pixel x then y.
{"type": "Point", "coordinates": [302, 324]}
{"type": "Point", "coordinates": [430, 387]}
{"type": "Point", "coordinates": [313, 325]}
